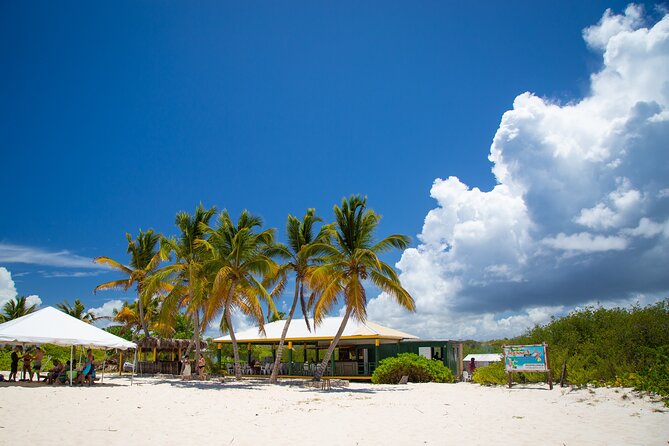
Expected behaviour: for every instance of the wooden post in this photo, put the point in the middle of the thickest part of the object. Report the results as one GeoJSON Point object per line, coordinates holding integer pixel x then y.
{"type": "Point", "coordinates": [290, 357]}
{"type": "Point", "coordinates": [376, 353]}
{"type": "Point", "coordinates": [219, 355]}
{"type": "Point", "coordinates": [120, 362]}
{"type": "Point", "coordinates": [548, 368]}
{"type": "Point", "coordinates": [248, 355]}
{"type": "Point", "coordinates": [508, 377]}
{"type": "Point", "coordinates": [155, 354]}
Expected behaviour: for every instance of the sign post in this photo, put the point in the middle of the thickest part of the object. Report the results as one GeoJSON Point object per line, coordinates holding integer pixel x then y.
{"type": "Point", "coordinates": [527, 358]}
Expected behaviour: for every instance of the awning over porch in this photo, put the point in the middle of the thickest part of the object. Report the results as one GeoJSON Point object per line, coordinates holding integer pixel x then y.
{"type": "Point", "coordinates": [297, 331]}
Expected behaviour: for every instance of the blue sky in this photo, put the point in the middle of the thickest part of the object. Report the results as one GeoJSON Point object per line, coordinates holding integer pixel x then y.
{"type": "Point", "coordinates": [113, 119]}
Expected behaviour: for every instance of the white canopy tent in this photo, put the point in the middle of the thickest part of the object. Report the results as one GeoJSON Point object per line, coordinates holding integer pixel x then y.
{"type": "Point", "coordinates": [51, 326]}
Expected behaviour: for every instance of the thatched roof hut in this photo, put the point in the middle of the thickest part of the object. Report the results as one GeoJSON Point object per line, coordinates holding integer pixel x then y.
{"type": "Point", "coordinates": [166, 344]}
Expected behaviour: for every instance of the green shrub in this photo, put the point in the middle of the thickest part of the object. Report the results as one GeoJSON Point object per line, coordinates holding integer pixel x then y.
{"type": "Point", "coordinates": [618, 346]}
{"type": "Point", "coordinates": [491, 374]}
{"type": "Point", "coordinates": [418, 368]}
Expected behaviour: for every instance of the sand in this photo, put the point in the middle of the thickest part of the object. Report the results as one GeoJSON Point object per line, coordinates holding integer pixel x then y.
{"type": "Point", "coordinates": [169, 411]}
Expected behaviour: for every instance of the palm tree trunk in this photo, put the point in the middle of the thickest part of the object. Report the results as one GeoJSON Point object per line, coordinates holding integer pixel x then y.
{"type": "Point", "coordinates": [231, 330]}
{"type": "Point", "coordinates": [279, 350]}
{"type": "Point", "coordinates": [235, 347]}
{"type": "Point", "coordinates": [323, 365]}
{"type": "Point", "coordinates": [305, 313]}
{"type": "Point", "coordinates": [196, 333]}
{"type": "Point", "coordinates": [140, 308]}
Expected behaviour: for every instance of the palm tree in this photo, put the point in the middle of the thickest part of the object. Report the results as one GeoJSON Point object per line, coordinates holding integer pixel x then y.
{"type": "Point", "coordinates": [239, 263]}
{"type": "Point", "coordinates": [128, 317]}
{"type": "Point", "coordinates": [189, 286]}
{"type": "Point", "coordinates": [304, 250]}
{"type": "Point", "coordinates": [352, 259]}
{"type": "Point", "coordinates": [78, 310]}
{"type": "Point", "coordinates": [144, 259]}
{"type": "Point", "coordinates": [16, 308]}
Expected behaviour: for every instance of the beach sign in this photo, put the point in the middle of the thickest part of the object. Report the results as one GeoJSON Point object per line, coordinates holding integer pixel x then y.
{"type": "Point", "coordinates": [527, 358]}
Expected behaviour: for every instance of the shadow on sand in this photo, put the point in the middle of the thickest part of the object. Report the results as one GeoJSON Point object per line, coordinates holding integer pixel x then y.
{"type": "Point", "coordinates": [258, 384]}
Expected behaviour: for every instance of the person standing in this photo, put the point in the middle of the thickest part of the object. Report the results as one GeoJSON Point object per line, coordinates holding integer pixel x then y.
{"type": "Point", "coordinates": [185, 369]}
{"type": "Point", "coordinates": [200, 367]}
{"type": "Point", "coordinates": [27, 359]}
{"type": "Point", "coordinates": [15, 363]}
{"type": "Point", "coordinates": [37, 364]}
{"type": "Point", "coordinates": [472, 366]}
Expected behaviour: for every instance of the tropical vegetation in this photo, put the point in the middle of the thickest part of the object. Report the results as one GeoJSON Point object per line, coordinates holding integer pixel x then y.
{"type": "Point", "coordinates": [144, 259]}
{"type": "Point", "coordinates": [78, 311]}
{"type": "Point", "coordinates": [416, 368]}
{"type": "Point", "coordinates": [217, 266]}
{"type": "Point", "coordinates": [350, 260]}
{"type": "Point", "coordinates": [304, 251]}
{"type": "Point", "coordinates": [601, 346]}
{"type": "Point", "coordinates": [15, 308]}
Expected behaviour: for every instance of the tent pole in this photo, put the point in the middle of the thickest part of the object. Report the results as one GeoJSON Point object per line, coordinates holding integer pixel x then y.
{"type": "Point", "coordinates": [104, 361]}
{"type": "Point", "coordinates": [133, 367]}
{"type": "Point", "coordinates": [71, 360]}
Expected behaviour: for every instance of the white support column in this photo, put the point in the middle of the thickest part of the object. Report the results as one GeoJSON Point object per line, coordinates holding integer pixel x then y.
{"type": "Point", "coordinates": [71, 361]}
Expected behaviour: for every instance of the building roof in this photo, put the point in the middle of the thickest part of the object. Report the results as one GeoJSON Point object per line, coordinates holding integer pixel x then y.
{"type": "Point", "coordinates": [297, 331]}
{"type": "Point", "coordinates": [51, 326]}
{"type": "Point", "coordinates": [484, 357]}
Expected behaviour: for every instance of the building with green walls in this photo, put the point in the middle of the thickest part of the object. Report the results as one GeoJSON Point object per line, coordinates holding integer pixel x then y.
{"type": "Point", "coordinates": [360, 349]}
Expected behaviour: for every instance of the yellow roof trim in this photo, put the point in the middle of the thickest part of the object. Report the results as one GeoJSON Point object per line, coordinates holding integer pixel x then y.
{"type": "Point", "coordinates": [321, 338]}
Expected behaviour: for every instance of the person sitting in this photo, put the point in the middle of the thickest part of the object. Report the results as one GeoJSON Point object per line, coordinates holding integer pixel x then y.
{"type": "Point", "coordinates": [63, 376]}
{"type": "Point", "coordinates": [88, 371]}
{"type": "Point", "coordinates": [55, 372]}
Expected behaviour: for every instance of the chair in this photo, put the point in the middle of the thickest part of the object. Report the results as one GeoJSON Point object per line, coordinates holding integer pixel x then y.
{"type": "Point", "coordinates": [465, 376]}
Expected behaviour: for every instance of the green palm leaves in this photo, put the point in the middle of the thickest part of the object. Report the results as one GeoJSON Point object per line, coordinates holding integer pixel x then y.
{"type": "Point", "coordinates": [239, 258]}
{"type": "Point", "coordinates": [215, 270]}
{"type": "Point", "coordinates": [303, 251]}
{"type": "Point", "coordinates": [16, 308]}
{"type": "Point", "coordinates": [144, 259]}
{"type": "Point", "coordinates": [78, 310]}
{"type": "Point", "coordinates": [186, 274]}
{"type": "Point", "coordinates": [352, 259]}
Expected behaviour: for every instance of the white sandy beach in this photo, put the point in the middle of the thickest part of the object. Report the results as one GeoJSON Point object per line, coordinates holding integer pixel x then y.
{"type": "Point", "coordinates": [166, 411]}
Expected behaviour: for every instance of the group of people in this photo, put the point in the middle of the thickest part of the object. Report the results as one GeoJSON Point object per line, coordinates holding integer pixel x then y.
{"type": "Point", "coordinates": [59, 374]}
{"type": "Point", "coordinates": [186, 370]}
{"type": "Point", "coordinates": [32, 365]}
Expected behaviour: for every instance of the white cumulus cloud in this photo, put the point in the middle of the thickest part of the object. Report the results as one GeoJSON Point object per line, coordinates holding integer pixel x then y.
{"type": "Point", "coordinates": [106, 310]}
{"type": "Point", "coordinates": [8, 290]}
{"type": "Point", "coordinates": [580, 211]}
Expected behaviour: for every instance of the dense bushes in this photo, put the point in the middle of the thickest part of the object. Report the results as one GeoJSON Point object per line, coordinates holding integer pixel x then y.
{"type": "Point", "coordinates": [618, 346]}
{"type": "Point", "coordinates": [602, 345]}
{"type": "Point", "coordinates": [417, 368]}
{"type": "Point", "coordinates": [492, 374]}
